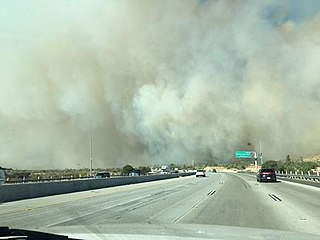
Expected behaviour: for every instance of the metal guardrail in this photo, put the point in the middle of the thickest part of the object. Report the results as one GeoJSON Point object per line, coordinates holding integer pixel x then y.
{"type": "Point", "coordinates": [8, 181]}
{"type": "Point", "coordinates": [52, 179]}
{"type": "Point", "coordinates": [307, 177]}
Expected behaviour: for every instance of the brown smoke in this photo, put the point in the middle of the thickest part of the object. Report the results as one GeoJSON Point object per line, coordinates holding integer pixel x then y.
{"type": "Point", "coordinates": [154, 82]}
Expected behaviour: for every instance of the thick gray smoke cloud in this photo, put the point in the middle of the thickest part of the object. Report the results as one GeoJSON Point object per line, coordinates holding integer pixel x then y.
{"type": "Point", "coordinates": [155, 82]}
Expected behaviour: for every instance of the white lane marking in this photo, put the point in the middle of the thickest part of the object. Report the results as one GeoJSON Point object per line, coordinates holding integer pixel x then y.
{"type": "Point", "coordinates": [274, 197]}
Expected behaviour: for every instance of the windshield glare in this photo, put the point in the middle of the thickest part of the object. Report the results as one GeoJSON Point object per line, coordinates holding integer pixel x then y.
{"type": "Point", "coordinates": [183, 116]}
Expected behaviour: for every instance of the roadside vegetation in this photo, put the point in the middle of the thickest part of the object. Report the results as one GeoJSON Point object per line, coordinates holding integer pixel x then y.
{"type": "Point", "coordinates": [34, 175]}
{"type": "Point", "coordinates": [142, 170]}
{"type": "Point", "coordinates": [287, 164]}
{"type": "Point", "coordinates": [238, 164]}
{"type": "Point", "coordinates": [292, 165]}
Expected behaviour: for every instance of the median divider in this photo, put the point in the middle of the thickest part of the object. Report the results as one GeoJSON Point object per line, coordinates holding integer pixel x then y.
{"type": "Point", "coordinates": [14, 192]}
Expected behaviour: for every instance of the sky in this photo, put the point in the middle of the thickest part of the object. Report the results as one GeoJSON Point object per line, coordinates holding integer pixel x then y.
{"type": "Point", "coordinates": [157, 82]}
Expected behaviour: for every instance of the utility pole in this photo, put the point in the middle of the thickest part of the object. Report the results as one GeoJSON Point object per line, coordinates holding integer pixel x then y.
{"type": "Point", "coordinates": [90, 157]}
{"type": "Point", "coordinates": [261, 159]}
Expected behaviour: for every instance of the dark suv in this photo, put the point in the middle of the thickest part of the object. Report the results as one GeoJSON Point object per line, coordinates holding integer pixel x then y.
{"type": "Point", "coordinates": [102, 175]}
{"type": "Point", "coordinates": [266, 174]}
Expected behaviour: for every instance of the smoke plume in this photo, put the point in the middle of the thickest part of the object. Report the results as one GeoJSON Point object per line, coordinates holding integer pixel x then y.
{"type": "Point", "coordinates": [155, 82]}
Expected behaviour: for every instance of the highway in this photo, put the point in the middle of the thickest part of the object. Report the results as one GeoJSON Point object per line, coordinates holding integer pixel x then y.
{"type": "Point", "coordinates": [229, 199]}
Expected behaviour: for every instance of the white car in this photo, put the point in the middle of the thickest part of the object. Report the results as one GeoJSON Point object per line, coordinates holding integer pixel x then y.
{"type": "Point", "coordinates": [200, 173]}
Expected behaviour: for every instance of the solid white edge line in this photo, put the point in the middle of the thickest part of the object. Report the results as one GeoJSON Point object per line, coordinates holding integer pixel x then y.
{"type": "Point", "coordinates": [301, 185]}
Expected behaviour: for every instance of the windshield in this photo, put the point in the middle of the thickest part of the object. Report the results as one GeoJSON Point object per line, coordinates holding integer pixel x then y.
{"type": "Point", "coordinates": [137, 112]}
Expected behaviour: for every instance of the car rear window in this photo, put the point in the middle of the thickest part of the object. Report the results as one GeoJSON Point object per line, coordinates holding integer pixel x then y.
{"type": "Point", "coordinates": [266, 170]}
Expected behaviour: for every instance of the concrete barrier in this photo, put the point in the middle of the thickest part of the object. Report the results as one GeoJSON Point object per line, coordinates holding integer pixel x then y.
{"type": "Point", "coordinates": [13, 192]}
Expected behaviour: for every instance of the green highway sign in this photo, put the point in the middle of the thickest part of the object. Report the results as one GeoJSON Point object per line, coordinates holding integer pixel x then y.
{"type": "Point", "coordinates": [245, 154]}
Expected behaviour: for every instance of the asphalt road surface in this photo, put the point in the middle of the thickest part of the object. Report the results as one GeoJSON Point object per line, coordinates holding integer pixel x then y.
{"type": "Point", "coordinates": [229, 199]}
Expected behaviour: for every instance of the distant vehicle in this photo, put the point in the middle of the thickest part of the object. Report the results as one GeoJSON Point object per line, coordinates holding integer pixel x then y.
{"type": "Point", "coordinates": [134, 174]}
{"type": "Point", "coordinates": [266, 174]}
{"type": "Point", "coordinates": [2, 176]}
{"type": "Point", "coordinates": [102, 175]}
{"type": "Point", "coordinates": [200, 173]}
{"type": "Point", "coordinates": [165, 169]}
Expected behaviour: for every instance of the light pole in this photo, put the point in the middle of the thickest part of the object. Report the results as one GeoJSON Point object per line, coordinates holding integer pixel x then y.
{"type": "Point", "coordinates": [90, 157]}
{"type": "Point", "coordinates": [261, 159]}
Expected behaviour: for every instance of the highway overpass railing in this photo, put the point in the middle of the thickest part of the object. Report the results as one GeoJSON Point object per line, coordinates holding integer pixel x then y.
{"type": "Point", "coordinates": [302, 176]}
{"type": "Point", "coordinates": [67, 178]}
